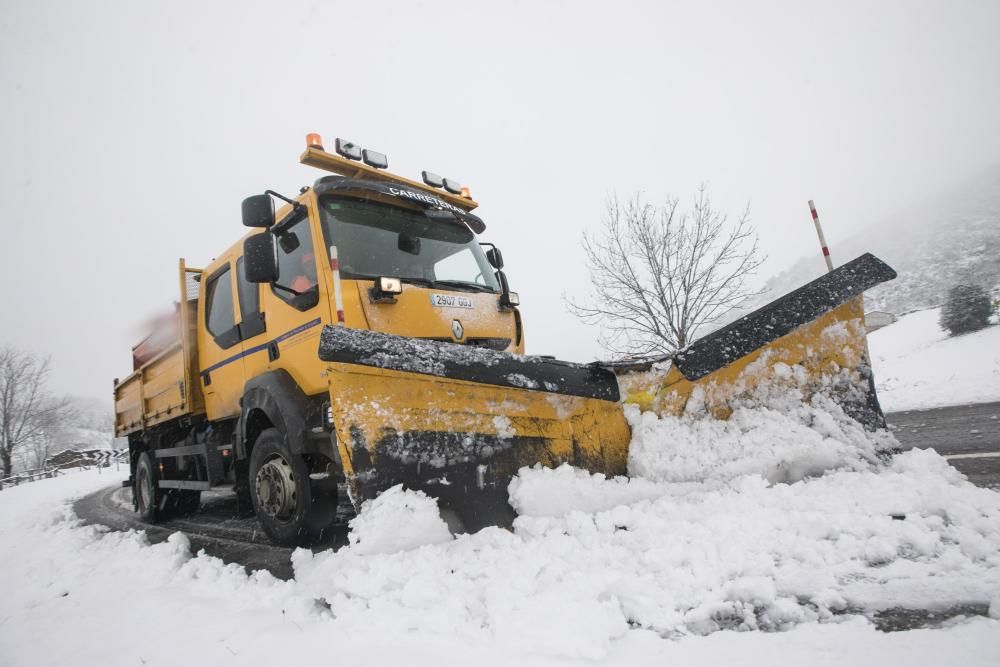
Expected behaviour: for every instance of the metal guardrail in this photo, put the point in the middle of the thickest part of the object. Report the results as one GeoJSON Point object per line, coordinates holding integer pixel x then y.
{"type": "Point", "coordinates": [57, 463]}
{"type": "Point", "coordinates": [29, 476]}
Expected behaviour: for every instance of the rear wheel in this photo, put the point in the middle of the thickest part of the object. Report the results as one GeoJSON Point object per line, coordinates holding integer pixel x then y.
{"type": "Point", "coordinates": [289, 509]}
{"type": "Point", "coordinates": [148, 497]}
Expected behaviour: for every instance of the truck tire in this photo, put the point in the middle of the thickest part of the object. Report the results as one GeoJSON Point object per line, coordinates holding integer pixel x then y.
{"type": "Point", "coordinates": [148, 497]}
{"type": "Point", "coordinates": [282, 493]}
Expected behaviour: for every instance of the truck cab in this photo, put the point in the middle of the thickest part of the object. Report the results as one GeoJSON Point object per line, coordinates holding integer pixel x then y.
{"type": "Point", "coordinates": [361, 248]}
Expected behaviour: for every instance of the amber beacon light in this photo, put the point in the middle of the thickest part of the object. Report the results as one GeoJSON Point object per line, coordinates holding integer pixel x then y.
{"type": "Point", "coordinates": [313, 140]}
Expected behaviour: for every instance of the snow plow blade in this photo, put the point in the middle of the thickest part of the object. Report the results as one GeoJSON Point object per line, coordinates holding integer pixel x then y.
{"type": "Point", "coordinates": [811, 340]}
{"type": "Point", "coordinates": [458, 422]}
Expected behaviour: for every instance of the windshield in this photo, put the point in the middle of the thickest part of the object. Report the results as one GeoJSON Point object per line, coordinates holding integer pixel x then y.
{"type": "Point", "coordinates": [375, 239]}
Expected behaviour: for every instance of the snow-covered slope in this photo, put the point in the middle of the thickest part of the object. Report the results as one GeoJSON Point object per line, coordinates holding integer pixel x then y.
{"type": "Point", "coordinates": [934, 245]}
{"type": "Point", "coordinates": [917, 365]}
{"type": "Point", "coordinates": [653, 570]}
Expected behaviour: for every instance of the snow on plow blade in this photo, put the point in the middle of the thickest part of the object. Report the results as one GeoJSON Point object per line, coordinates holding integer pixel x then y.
{"type": "Point", "coordinates": [811, 340]}
{"type": "Point", "coordinates": [459, 421]}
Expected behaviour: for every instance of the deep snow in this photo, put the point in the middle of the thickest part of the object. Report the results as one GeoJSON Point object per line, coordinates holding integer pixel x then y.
{"type": "Point", "coordinates": [917, 365]}
{"type": "Point", "coordinates": [643, 571]}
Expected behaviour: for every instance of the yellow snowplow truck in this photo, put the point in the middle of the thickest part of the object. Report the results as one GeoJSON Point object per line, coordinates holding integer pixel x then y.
{"type": "Point", "coordinates": [361, 336]}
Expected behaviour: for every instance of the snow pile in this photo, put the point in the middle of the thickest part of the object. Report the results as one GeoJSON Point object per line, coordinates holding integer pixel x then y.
{"type": "Point", "coordinates": [68, 586]}
{"type": "Point", "coordinates": [546, 492]}
{"type": "Point", "coordinates": [725, 529]}
{"type": "Point", "coordinates": [598, 569]}
{"type": "Point", "coordinates": [397, 520]}
{"type": "Point", "coordinates": [681, 559]}
{"type": "Point", "coordinates": [917, 365]}
{"type": "Point", "coordinates": [724, 525]}
{"type": "Point", "coordinates": [749, 555]}
{"type": "Point", "coordinates": [783, 444]}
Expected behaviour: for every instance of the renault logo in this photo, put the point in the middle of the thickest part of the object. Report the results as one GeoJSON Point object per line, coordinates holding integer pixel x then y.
{"type": "Point", "coordinates": [456, 329]}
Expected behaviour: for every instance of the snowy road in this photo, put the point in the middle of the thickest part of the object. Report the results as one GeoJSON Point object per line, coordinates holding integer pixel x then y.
{"type": "Point", "coordinates": [968, 435]}
{"type": "Point", "coordinates": [215, 528]}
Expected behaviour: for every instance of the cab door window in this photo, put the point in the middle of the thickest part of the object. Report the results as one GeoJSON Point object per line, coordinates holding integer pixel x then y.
{"type": "Point", "coordinates": [220, 319]}
{"type": "Point", "coordinates": [252, 320]}
{"type": "Point", "coordinates": [297, 284]}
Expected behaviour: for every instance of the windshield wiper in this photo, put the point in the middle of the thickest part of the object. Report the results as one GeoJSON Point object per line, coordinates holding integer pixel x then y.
{"type": "Point", "coordinates": [417, 281]}
{"type": "Point", "coordinates": [426, 282]}
{"type": "Point", "coordinates": [461, 284]}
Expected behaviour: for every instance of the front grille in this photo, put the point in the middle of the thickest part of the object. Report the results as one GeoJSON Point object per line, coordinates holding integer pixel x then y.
{"type": "Point", "coordinates": [498, 344]}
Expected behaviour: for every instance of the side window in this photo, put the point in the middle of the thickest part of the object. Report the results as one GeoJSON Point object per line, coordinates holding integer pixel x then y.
{"type": "Point", "coordinates": [249, 296]}
{"type": "Point", "coordinates": [297, 278]}
{"type": "Point", "coordinates": [220, 319]}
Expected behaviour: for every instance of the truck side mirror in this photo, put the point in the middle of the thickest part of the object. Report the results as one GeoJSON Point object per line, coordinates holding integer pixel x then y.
{"type": "Point", "coordinates": [508, 299]}
{"type": "Point", "coordinates": [258, 211]}
{"type": "Point", "coordinates": [495, 258]}
{"type": "Point", "coordinates": [260, 258]}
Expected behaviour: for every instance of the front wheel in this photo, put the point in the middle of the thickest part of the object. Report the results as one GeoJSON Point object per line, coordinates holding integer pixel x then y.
{"type": "Point", "coordinates": [290, 511]}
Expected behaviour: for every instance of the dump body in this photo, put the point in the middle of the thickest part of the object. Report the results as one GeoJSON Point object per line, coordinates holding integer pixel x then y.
{"type": "Point", "coordinates": [161, 388]}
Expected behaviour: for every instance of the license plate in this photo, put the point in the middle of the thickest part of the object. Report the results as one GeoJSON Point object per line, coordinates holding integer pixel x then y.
{"type": "Point", "coordinates": [450, 301]}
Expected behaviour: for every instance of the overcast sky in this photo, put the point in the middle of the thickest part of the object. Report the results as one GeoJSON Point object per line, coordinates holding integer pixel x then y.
{"type": "Point", "coordinates": [131, 131]}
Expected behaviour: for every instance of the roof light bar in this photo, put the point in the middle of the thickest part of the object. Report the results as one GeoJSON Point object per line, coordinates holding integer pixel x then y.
{"type": "Point", "coordinates": [432, 179]}
{"type": "Point", "coordinates": [375, 159]}
{"type": "Point", "coordinates": [347, 149]}
{"type": "Point", "coordinates": [338, 161]}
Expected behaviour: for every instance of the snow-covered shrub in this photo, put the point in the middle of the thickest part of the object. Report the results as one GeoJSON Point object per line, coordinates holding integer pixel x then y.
{"type": "Point", "coordinates": [967, 309]}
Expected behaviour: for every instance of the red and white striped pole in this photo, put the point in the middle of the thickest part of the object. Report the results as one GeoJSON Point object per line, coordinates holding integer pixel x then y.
{"type": "Point", "coordinates": [338, 297]}
{"type": "Point", "coordinates": [822, 239]}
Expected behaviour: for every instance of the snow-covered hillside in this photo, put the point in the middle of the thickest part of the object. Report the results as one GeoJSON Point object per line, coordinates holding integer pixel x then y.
{"type": "Point", "coordinates": [681, 564]}
{"type": "Point", "coordinates": [933, 246]}
{"type": "Point", "coordinates": [917, 365]}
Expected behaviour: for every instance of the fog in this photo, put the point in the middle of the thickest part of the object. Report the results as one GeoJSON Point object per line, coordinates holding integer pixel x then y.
{"type": "Point", "coordinates": [131, 131]}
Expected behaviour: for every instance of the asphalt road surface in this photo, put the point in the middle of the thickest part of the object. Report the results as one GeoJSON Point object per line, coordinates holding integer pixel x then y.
{"type": "Point", "coordinates": [968, 435]}
{"type": "Point", "coordinates": [216, 528]}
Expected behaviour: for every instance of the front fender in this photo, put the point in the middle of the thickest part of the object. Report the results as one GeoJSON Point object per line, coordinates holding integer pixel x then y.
{"type": "Point", "coordinates": [299, 417]}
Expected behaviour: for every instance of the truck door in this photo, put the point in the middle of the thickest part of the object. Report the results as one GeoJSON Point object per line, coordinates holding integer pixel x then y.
{"type": "Point", "coordinates": [296, 305]}
{"type": "Point", "coordinates": [253, 326]}
{"type": "Point", "coordinates": [219, 351]}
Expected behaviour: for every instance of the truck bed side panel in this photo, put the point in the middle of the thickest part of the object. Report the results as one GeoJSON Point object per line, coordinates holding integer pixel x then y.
{"type": "Point", "coordinates": [166, 386]}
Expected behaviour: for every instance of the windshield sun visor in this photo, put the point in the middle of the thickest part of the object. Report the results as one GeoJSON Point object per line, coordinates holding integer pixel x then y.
{"type": "Point", "coordinates": [331, 185]}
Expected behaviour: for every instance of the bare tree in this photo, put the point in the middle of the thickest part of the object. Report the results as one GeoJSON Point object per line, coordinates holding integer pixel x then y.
{"type": "Point", "coordinates": [659, 274]}
{"type": "Point", "coordinates": [29, 415]}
